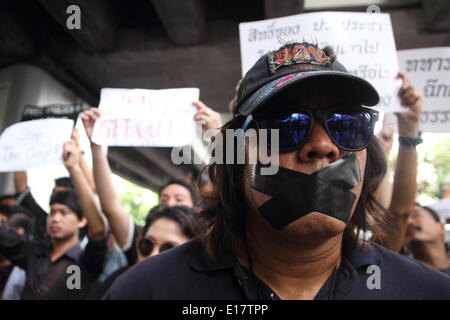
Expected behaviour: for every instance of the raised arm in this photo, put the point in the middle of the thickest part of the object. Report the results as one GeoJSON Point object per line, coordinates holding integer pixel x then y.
{"type": "Point", "coordinates": [20, 181]}
{"type": "Point", "coordinates": [83, 164]}
{"type": "Point", "coordinates": [118, 218]}
{"type": "Point", "coordinates": [25, 199]}
{"type": "Point", "coordinates": [405, 177]}
{"type": "Point", "coordinates": [96, 223]}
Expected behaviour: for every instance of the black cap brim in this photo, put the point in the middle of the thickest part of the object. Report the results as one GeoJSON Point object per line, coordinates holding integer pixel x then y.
{"type": "Point", "coordinates": [360, 89]}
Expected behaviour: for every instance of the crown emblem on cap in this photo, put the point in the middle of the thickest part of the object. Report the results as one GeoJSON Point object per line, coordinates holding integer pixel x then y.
{"type": "Point", "coordinates": [297, 53]}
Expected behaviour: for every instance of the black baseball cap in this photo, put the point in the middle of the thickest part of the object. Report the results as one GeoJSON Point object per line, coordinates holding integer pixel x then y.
{"type": "Point", "coordinates": [292, 63]}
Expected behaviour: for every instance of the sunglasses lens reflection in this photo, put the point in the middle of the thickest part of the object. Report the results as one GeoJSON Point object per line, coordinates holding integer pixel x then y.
{"type": "Point", "coordinates": [166, 246]}
{"type": "Point", "coordinates": [145, 247]}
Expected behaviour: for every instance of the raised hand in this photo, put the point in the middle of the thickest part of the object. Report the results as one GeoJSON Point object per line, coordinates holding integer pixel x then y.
{"type": "Point", "coordinates": [207, 116]}
{"type": "Point", "coordinates": [75, 136]}
{"type": "Point", "coordinates": [408, 121]}
{"type": "Point", "coordinates": [89, 117]}
{"type": "Point", "coordinates": [71, 155]}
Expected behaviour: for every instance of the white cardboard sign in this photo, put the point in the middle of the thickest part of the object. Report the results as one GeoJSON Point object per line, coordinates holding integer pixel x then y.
{"type": "Point", "coordinates": [429, 71]}
{"type": "Point", "coordinates": [141, 117]}
{"type": "Point", "coordinates": [364, 44]}
{"type": "Point", "coordinates": [34, 143]}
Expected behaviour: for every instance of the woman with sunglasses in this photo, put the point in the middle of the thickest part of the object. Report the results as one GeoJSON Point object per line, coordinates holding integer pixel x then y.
{"type": "Point", "coordinates": [165, 228]}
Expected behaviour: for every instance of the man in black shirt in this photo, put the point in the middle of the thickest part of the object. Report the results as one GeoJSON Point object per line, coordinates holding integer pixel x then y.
{"type": "Point", "coordinates": [293, 232]}
{"type": "Point", "coordinates": [49, 263]}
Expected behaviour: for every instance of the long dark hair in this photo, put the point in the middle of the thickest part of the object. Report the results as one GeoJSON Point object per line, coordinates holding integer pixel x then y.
{"type": "Point", "coordinates": [189, 187]}
{"type": "Point", "coordinates": [186, 218]}
{"type": "Point", "coordinates": [225, 206]}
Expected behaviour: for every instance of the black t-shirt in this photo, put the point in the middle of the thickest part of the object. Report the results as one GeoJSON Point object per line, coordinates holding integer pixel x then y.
{"type": "Point", "coordinates": [187, 272]}
{"type": "Point", "coordinates": [33, 256]}
{"type": "Point", "coordinates": [99, 289]}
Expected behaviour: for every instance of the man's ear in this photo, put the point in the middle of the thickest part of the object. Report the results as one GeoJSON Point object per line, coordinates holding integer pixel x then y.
{"type": "Point", "coordinates": [82, 223]}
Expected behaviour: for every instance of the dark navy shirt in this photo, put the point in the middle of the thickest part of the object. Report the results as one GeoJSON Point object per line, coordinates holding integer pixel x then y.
{"type": "Point", "coordinates": [186, 272]}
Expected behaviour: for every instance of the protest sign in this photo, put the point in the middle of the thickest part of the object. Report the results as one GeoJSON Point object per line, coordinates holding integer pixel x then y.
{"type": "Point", "coordinates": [141, 117]}
{"type": "Point", "coordinates": [363, 42]}
{"type": "Point", "coordinates": [34, 144]}
{"type": "Point", "coordinates": [69, 111]}
{"type": "Point", "coordinates": [429, 71]}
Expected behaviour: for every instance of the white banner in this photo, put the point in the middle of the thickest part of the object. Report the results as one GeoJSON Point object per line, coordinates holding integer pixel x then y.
{"type": "Point", "coordinates": [363, 42]}
{"type": "Point", "coordinates": [429, 71]}
{"type": "Point", "coordinates": [141, 117]}
{"type": "Point", "coordinates": [35, 143]}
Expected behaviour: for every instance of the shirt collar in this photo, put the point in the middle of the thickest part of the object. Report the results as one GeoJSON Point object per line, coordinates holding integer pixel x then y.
{"type": "Point", "coordinates": [74, 252]}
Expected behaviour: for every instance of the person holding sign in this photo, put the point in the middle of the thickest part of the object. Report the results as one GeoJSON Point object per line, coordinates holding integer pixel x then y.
{"type": "Point", "coordinates": [399, 198]}
{"type": "Point", "coordinates": [49, 259]}
{"type": "Point", "coordinates": [25, 197]}
{"type": "Point", "coordinates": [124, 229]}
{"type": "Point", "coordinates": [58, 260]}
{"type": "Point", "coordinates": [294, 234]}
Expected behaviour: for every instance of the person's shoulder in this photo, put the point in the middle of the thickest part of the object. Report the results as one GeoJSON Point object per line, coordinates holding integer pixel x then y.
{"type": "Point", "coordinates": [410, 278]}
{"type": "Point", "coordinates": [164, 270]}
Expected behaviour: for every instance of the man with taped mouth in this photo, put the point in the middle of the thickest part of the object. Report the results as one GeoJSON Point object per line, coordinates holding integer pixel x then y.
{"type": "Point", "coordinates": [295, 234]}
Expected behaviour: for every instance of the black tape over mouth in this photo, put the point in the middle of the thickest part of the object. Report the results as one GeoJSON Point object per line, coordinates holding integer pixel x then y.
{"type": "Point", "coordinates": [295, 194]}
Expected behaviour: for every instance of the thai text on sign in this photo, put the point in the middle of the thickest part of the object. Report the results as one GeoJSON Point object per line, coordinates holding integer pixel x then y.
{"type": "Point", "coordinates": [429, 71]}
{"type": "Point", "coordinates": [363, 42]}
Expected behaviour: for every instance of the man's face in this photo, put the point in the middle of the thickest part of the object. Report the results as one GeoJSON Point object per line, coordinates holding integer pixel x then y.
{"type": "Point", "coordinates": [422, 226]}
{"type": "Point", "coordinates": [62, 222]}
{"type": "Point", "coordinates": [163, 233]}
{"type": "Point", "coordinates": [176, 195]}
{"type": "Point", "coordinates": [318, 152]}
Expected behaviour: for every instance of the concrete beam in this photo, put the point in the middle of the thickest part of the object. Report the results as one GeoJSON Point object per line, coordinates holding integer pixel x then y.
{"type": "Point", "coordinates": [128, 163]}
{"type": "Point", "coordinates": [161, 162]}
{"type": "Point", "coordinates": [277, 8]}
{"type": "Point", "coordinates": [184, 20]}
{"type": "Point", "coordinates": [97, 29]}
{"type": "Point", "coordinates": [437, 15]}
{"type": "Point", "coordinates": [15, 41]}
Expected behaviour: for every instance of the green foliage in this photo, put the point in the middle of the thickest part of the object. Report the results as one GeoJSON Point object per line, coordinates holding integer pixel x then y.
{"type": "Point", "coordinates": [439, 159]}
{"type": "Point", "coordinates": [137, 201]}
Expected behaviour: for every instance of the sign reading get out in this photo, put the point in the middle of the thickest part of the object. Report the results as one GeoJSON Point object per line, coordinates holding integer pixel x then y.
{"type": "Point", "coordinates": [141, 117]}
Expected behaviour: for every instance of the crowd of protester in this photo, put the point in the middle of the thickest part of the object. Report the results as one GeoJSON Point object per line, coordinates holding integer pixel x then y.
{"type": "Point", "coordinates": [88, 227]}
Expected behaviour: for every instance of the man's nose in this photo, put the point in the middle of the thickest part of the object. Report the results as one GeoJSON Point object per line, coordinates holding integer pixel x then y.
{"type": "Point", "coordinates": [155, 250]}
{"type": "Point", "coordinates": [319, 146]}
{"type": "Point", "coordinates": [171, 202]}
{"type": "Point", "coordinates": [410, 219]}
{"type": "Point", "coordinates": [55, 217]}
